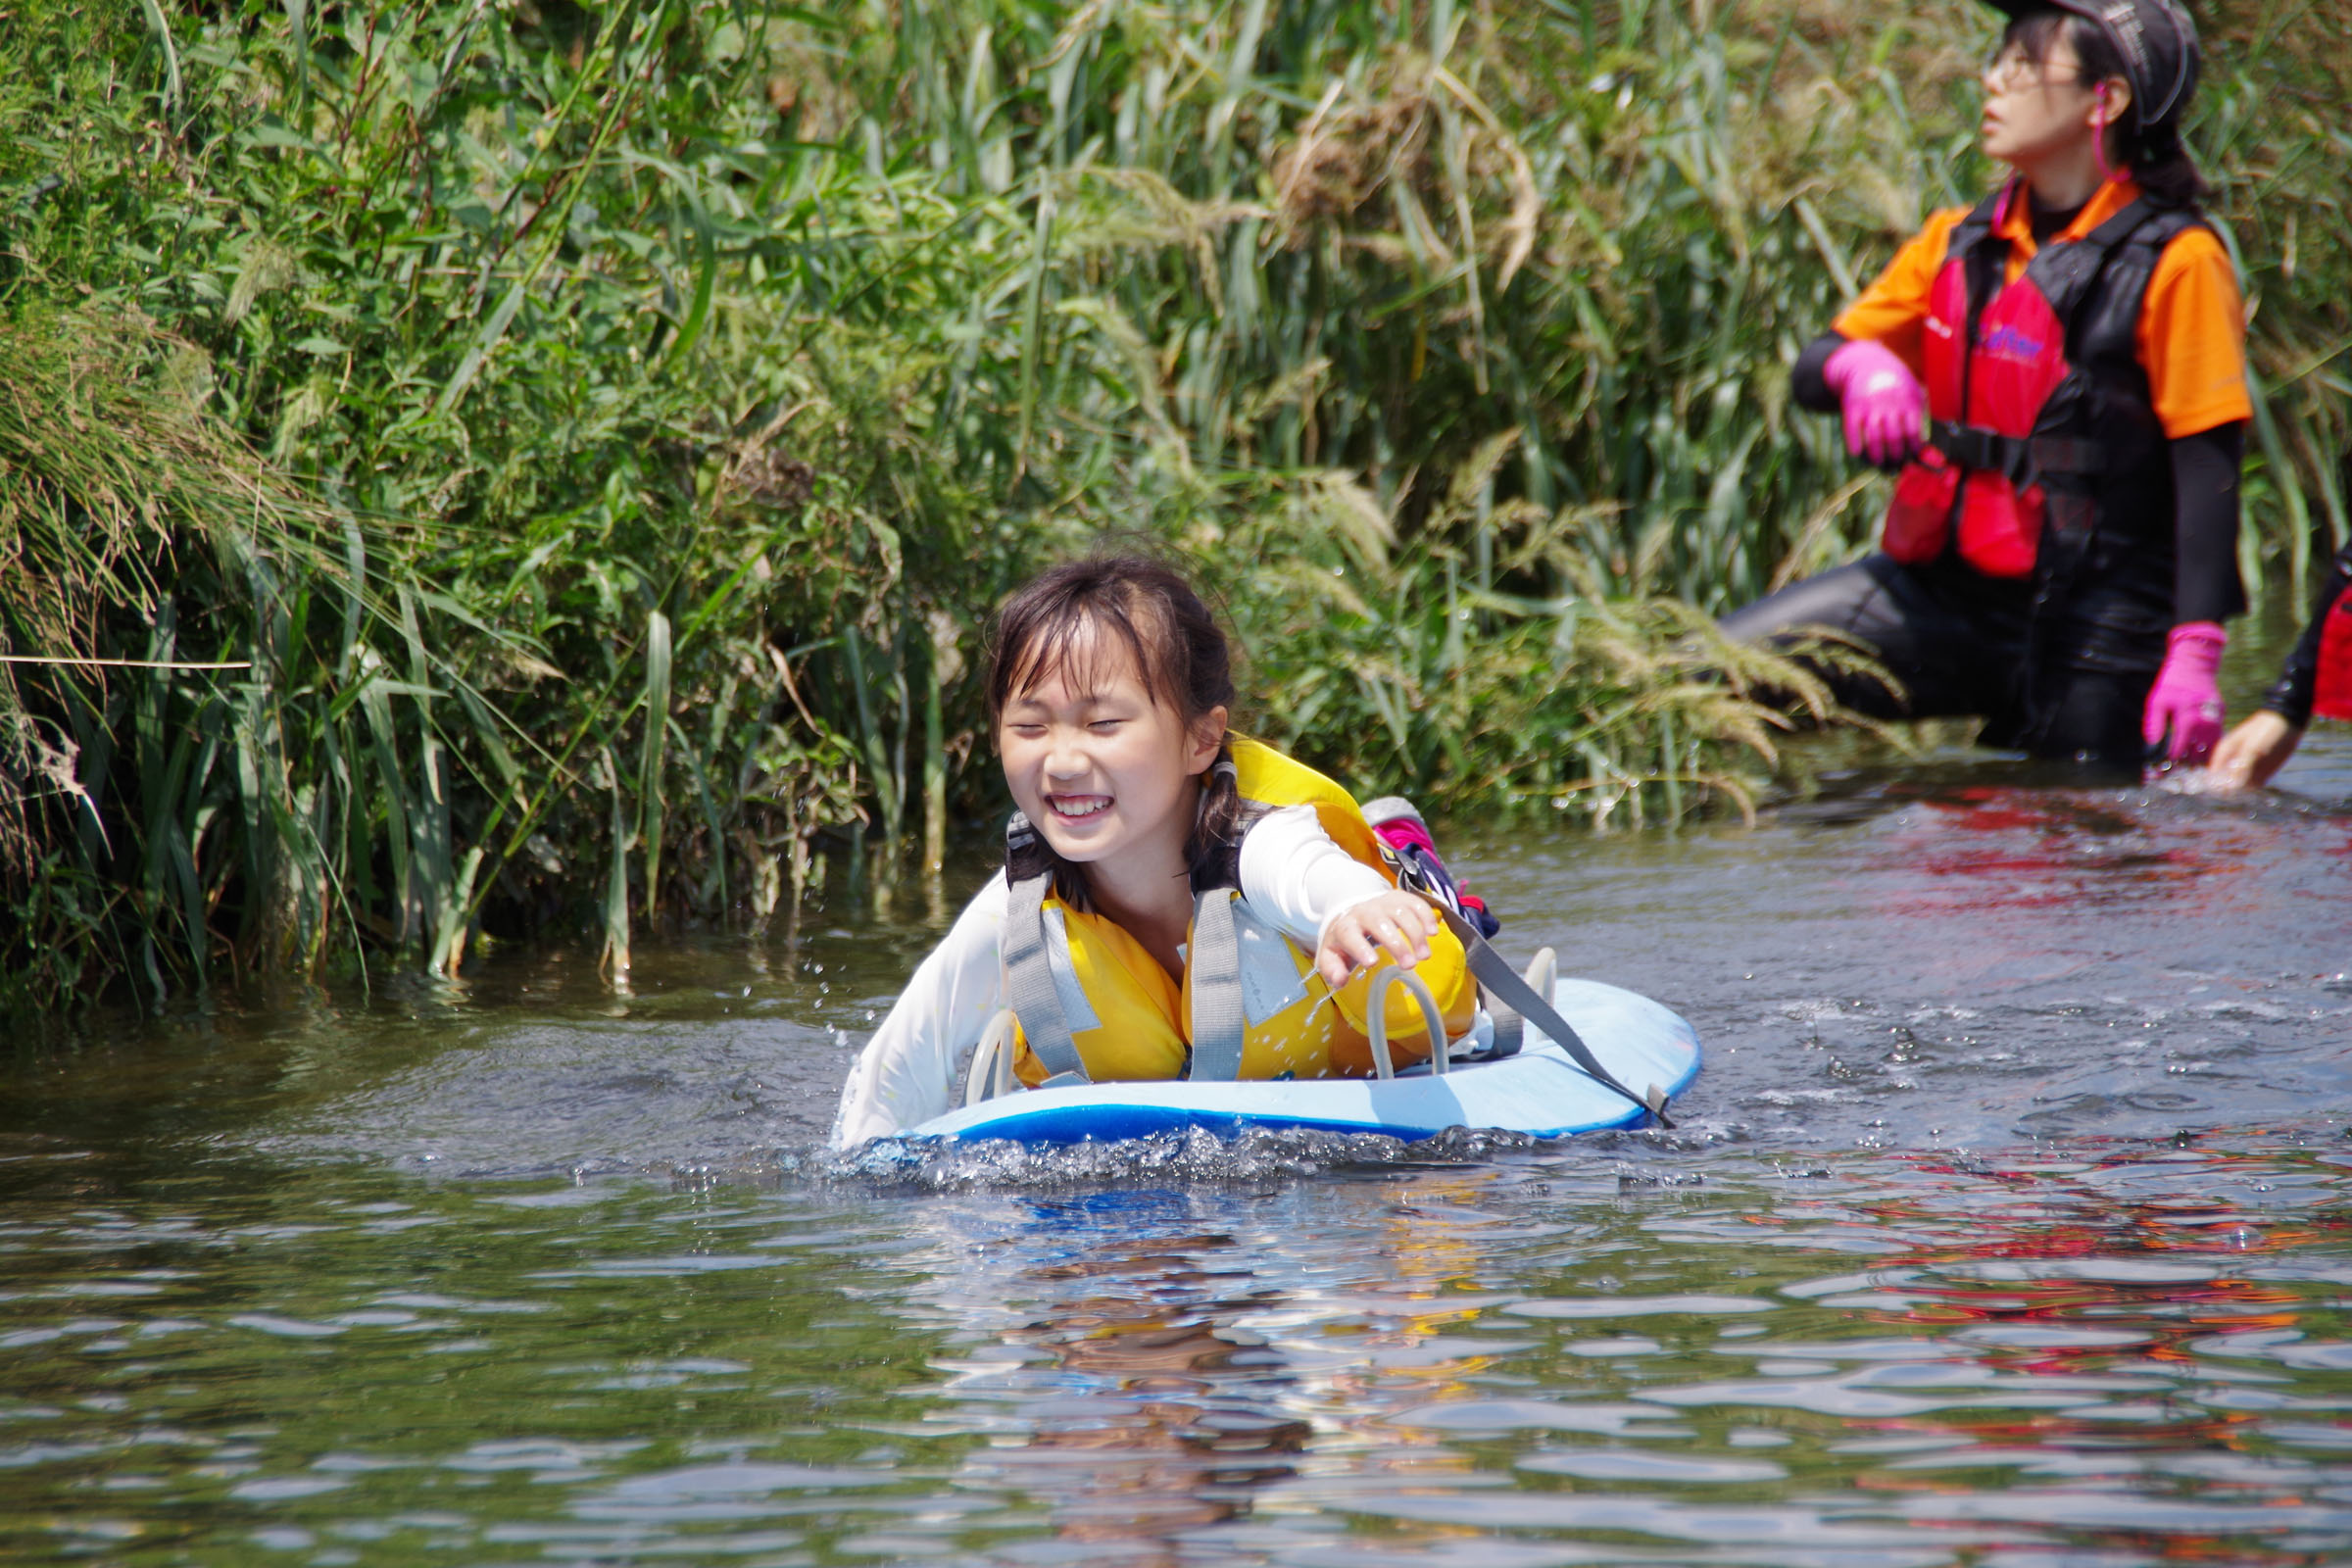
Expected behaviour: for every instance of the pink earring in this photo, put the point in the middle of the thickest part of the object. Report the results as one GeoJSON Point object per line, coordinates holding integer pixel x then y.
{"type": "Point", "coordinates": [2098, 141]}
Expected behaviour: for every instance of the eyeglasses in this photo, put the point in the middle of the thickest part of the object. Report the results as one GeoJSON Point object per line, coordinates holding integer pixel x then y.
{"type": "Point", "coordinates": [2012, 68]}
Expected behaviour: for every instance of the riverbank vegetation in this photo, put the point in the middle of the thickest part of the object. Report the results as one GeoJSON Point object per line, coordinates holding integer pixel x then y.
{"type": "Point", "coordinates": [549, 467]}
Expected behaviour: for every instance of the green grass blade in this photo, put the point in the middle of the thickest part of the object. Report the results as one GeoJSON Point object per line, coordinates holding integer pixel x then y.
{"type": "Point", "coordinates": [614, 961]}
{"type": "Point", "coordinates": [656, 732]}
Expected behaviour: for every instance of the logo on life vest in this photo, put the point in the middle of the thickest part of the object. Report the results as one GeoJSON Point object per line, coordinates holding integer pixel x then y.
{"type": "Point", "coordinates": [2006, 342]}
{"type": "Point", "coordinates": [1939, 328]}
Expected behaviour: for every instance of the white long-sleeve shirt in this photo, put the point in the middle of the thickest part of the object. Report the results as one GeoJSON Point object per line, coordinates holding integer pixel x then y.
{"type": "Point", "coordinates": [1292, 877]}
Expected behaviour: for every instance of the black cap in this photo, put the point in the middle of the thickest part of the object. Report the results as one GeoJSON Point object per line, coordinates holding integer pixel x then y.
{"type": "Point", "coordinates": [2158, 43]}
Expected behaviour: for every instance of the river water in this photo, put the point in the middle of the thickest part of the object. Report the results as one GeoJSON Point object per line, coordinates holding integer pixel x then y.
{"type": "Point", "coordinates": [2009, 1225]}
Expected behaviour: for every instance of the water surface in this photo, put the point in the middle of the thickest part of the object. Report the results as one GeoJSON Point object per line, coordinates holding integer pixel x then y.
{"type": "Point", "coordinates": [2008, 1226]}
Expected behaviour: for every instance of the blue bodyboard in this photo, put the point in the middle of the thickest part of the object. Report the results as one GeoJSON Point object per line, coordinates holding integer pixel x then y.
{"type": "Point", "coordinates": [1539, 1090]}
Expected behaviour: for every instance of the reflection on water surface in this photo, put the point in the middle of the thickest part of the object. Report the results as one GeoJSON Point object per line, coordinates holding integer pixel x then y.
{"type": "Point", "coordinates": [2135, 1355]}
{"type": "Point", "coordinates": [2007, 1227]}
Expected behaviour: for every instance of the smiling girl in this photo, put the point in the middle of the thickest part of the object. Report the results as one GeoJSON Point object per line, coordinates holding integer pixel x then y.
{"type": "Point", "coordinates": [2058, 375]}
{"type": "Point", "coordinates": [1110, 687]}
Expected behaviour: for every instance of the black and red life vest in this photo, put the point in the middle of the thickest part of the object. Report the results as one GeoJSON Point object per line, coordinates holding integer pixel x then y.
{"type": "Point", "coordinates": [2044, 427]}
{"type": "Point", "coordinates": [2331, 681]}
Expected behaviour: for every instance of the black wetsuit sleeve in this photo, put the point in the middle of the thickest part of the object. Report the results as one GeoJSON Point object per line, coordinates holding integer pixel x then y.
{"type": "Point", "coordinates": [1806, 381]}
{"type": "Point", "coordinates": [2291, 698]}
{"type": "Point", "coordinates": [2205, 581]}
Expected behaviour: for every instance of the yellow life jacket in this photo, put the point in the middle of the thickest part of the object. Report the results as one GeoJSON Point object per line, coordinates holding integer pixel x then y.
{"type": "Point", "coordinates": [1081, 976]}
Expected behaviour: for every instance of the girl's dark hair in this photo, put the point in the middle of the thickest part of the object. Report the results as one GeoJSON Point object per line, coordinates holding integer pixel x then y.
{"type": "Point", "coordinates": [2158, 158]}
{"type": "Point", "coordinates": [1178, 649]}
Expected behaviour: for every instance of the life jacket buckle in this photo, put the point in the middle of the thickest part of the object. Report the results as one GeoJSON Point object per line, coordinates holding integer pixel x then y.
{"type": "Point", "coordinates": [2023, 460]}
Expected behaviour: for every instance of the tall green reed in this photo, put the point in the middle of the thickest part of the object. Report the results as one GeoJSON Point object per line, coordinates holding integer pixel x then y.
{"type": "Point", "coordinates": [654, 399]}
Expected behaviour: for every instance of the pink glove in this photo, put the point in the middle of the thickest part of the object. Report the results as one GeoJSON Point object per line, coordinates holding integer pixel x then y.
{"type": "Point", "coordinates": [1883, 400]}
{"type": "Point", "coordinates": [2186, 702]}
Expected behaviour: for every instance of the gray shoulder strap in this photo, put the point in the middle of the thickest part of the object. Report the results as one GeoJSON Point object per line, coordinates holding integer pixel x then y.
{"type": "Point", "coordinates": [1029, 983]}
{"type": "Point", "coordinates": [1213, 969]}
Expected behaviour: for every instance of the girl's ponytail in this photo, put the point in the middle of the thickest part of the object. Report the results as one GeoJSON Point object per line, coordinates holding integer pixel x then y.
{"type": "Point", "coordinates": [1213, 853]}
{"type": "Point", "coordinates": [2165, 172]}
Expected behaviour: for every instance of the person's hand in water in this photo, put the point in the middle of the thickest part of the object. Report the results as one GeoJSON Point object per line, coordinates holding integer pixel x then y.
{"type": "Point", "coordinates": [1396, 924]}
{"type": "Point", "coordinates": [1882, 401]}
{"type": "Point", "coordinates": [2184, 706]}
{"type": "Point", "coordinates": [2254, 751]}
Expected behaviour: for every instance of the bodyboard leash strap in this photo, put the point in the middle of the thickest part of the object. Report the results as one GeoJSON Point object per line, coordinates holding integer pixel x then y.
{"type": "Point", "coordinates": [1494, 972]}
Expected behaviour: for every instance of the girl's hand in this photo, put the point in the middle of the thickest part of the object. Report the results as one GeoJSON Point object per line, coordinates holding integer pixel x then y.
{"type": "Point", "coordinates": [1394, 923]}
{"type": "Point", "coordinates": [2251, 753]}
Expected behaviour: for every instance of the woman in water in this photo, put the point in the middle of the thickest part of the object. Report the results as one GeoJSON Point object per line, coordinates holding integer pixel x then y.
{"type": "Point", "coordinates": [1109, 686]}
{"type": "Point", "coordinates": [2061, 548]}
{"type": "Point", "coordinates": [2317, 681]}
